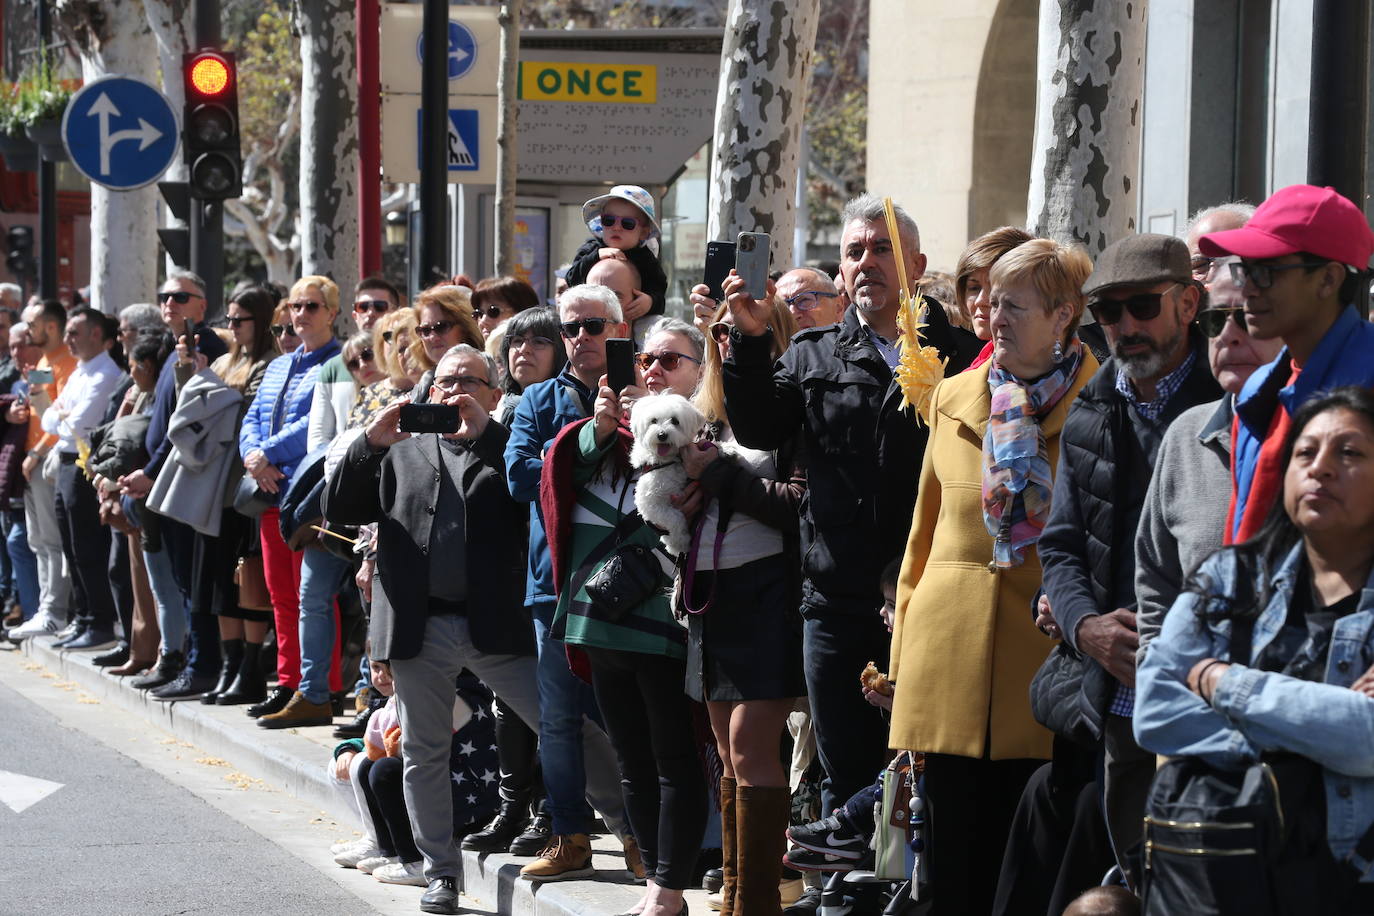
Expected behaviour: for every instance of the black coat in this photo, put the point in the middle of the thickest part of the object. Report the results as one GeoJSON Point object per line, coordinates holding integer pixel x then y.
{"type": "Point", "coordinates": [398, 488]}
{"type": "Point", "coordinates": [652, 280]}
{"type": "Point", "coordinates": [863, 452]}
{"type": "Point", "coordinates": [1106, 453]}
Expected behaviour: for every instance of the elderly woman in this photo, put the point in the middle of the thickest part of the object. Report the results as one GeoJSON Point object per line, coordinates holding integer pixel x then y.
{"type": "Point", "coordinates": [1300, 595]}
{"type": "Point", "coordinates": [272, 442]}
{"type": "Point", "coordinates": [964, 646]}
{"type": "Point", "coordinates": [497, 299]}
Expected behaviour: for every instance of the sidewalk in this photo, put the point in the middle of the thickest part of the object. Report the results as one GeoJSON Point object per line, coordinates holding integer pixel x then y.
{"type": "Point", "coordinates": [293, 760]}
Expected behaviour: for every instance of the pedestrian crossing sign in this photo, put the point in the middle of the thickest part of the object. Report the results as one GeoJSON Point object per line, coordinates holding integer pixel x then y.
{"type": "Point", "coordinates": [469, 144]}
{"type": "Point", "coordinates": [463, 145]}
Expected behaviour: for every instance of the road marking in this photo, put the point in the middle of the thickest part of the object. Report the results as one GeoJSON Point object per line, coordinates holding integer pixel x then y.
{"type": "Point", "coordinates": [19, 792]}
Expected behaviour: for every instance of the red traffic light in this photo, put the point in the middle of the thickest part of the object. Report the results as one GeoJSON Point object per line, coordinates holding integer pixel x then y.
{"type": "Point", "coordinates": [210, 75]}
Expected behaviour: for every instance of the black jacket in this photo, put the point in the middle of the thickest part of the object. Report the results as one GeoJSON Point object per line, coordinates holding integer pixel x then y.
{"type": "Point", "coordinates": [652, 279]}
{"type": "Point", "coordinates": [1106, 454]}
{"type": "Point", "coordinates": [863, 453]}
{"type": "Point", "coordinates": [398, 488]}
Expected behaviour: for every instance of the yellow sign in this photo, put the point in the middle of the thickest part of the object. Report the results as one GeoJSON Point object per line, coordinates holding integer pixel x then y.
{"type": "Point", "coordinates": [635, 84]}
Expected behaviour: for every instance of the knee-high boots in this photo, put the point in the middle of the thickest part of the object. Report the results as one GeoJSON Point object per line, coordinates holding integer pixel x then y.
{"type": "Point", "coordinates": [761, 815]}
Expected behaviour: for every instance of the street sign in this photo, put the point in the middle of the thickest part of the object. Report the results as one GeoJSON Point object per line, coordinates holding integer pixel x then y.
{"type": "Point", "coordinates": [474, 48]}
{"type": "Point", "coordinates": [470, 144]}
{"type": "Point", "coordinates": [559, 81]}
{"type": "Point", "coordinates": [120, 132]}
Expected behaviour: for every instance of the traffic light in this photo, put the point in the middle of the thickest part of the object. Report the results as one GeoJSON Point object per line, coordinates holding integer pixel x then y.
{"type": "Point", "coordinates": [177, 241]}
{"type": "Point", "coordinates": [211, 125]}
{"type": "Point", "coordinates": [19, 252]}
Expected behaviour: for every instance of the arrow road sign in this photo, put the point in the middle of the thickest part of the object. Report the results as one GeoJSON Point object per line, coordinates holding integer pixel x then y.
{"type": "Point", "coordinates": [121, 132]}
{"type": "Point", "coordinates": [462, 49]}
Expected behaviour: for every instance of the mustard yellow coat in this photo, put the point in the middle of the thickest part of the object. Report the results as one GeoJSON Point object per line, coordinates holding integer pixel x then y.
{"type": "Point", "coordinates": [964, 644]}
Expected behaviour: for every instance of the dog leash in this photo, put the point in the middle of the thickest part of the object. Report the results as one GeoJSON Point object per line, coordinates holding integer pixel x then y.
{"type": "Point", "coordinates": [690, 574]}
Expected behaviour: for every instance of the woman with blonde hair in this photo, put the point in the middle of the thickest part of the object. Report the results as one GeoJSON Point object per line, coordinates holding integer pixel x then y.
{"type": "Point", "coordinates": [964, 644]}
{"type": "Point", "coordinates": [445, 320]}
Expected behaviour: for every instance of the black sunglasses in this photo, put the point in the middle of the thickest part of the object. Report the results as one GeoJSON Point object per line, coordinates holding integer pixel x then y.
{"type": "Point", "coordinates": [380, 306]}
{"type": "Point", "coordinates": [305, 305]}
{"type": "Point", "coordinates": [180, 297]}
{"type": "Point", "coordinates": [668, 359]}
{"type": "Point", "coordinates": [491, 311]}
{"type": "Point", "coordinates": [281, 330]}
{"type": "Point", "coordinates": [235, 321]}
{"type": "Point", "coordinates": [1142, 306]}
{"type": "Point", "coordinates": [628, 223]}
{"type": "Point", "coordinates": [1213, 321]}
{"type": "Point", "coordinates": [430, 330]}
{"type": "Point", "coordinates": [1262, 275]}
{"type": "Point", "coordinates": [365, 355]}
{"type": "Point", "coordinates": [593, 326]}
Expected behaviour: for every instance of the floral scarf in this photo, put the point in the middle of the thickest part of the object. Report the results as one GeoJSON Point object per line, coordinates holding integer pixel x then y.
{"type": "Point", "coordinates": [1017, 477]}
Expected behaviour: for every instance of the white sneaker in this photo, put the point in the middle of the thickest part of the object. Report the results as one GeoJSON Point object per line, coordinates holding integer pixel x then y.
{"type": "Point", "coordinates": [350, 857]}
{"type": "Point", "coordinates": [367, 865]}
{"type": "Point", "coordinates": [347, 844]}
{"type": "Point", "coordinates": [411, 873]}
{"type": "Point", "coordinates": [69, 630]}
{"type": "Point", "coordinates": [41, 624]}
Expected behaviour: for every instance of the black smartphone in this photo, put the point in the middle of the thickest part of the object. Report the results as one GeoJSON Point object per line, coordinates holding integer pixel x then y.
{"type": "Point", "coordinates": [720, 258]}
{"type": "Point", "coordinates": [620, 363]}
{"type": "Point", "coordinates": [190, 331]}
{"type": "Point", "coordinates": [429, 418]}
{"type": "Point", "coordinates": [751, 262]}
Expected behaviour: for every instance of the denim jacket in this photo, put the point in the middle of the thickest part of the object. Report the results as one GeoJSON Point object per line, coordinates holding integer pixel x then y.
{"type": "Point", "coordinates": [1253, 711]}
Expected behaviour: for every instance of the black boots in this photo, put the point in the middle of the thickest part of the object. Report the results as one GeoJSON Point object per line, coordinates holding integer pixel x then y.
{"type": "Point", "coordinates": [169, 665]}
{"type": "Point", "coordinates": [503, 829]}
{"type": "Point", "coordinates": [250, 683]}
{"type": "Point", "coordinates": [231, 658]}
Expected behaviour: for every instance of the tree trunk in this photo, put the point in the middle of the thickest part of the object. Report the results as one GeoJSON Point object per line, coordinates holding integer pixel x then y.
{"type": "Point", "coordinates": [765, 66]}
{"type": "Point", "coordinates": [114, 37]}
{"type": "Point", "coordinates": [506, 138]}
{"type": "Point", "coordinates": [1091, 74]}
{"type": "Point", "coordinates": [329, 141]}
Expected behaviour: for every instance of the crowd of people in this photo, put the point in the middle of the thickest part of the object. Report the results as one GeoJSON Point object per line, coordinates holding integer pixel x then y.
{"type": "Point", "coordinates": [1133, 522]}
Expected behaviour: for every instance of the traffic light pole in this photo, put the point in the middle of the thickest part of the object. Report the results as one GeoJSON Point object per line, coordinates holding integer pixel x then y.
{"type": "Point", "coordinates": [47, 189]}
{"type": "Point", "coordinates": [207, 216]}
{"type": "Point", "coordinates": [433, 246]}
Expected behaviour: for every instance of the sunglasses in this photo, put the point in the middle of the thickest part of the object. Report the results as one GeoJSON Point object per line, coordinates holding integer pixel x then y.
{"type": "Point", "coordinates": [468, 384]}
{"type": "Point", "coordinates": [180, 297]}
{"type": "Point", "coordinates": [805, 302]}
{"type": "Point", "coordinates": [305, 305]}
{"type": "Point", "coordinates": [1142, 306]}
{"type": "Point", "coordinates": [491, 311]}
{"type": "Point", "coordinates": [720, 332]}
{"type": "Point", "coordinates": [1262, 275]}
{"type": "Point", "coordinates": [534, 340]}
{"type": "Point", "coordinates": [377, 306]}
{"type": "Point", "coordinates": [628, 223]}
{"type": "Point", "coordinates": [668, 359]}
{"type": "Point", "coordinates": [593, 326]}
{"type": "Point", "coordinates": [1213, 321]}
{"type": "Point", "coordinates": [236, 321]}
{"type": "Point", "coordinates": [432, 330]}
{"type": "Point", "coordinates": [281, 330]}
{"type": "Point", "coordinates": [365, 355]}
{"type": "Point", "coordinates": [1201, 264]}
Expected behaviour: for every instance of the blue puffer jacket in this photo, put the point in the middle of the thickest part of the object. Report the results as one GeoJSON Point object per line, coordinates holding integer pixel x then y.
{"type": "Point", "coordinates": [278, 418]}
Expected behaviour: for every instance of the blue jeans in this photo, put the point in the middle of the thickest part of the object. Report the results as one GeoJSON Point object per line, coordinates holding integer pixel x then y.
{"type": "Point", "coordinates": [22, 562]}
{"type": "Point", "coordinates": [322, 575]}
{"type": "Point", "coordinates": [173, 614]}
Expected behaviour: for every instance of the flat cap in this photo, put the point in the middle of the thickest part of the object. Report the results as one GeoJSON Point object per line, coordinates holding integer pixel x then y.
{"type": "Point", "coordinates": [1140, 260]}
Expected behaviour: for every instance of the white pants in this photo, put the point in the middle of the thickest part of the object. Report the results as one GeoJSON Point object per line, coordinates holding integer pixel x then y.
{"type": "Point", "coordinates": [45, 540]}
{"type": "Point", "coordinates": [352, 793]}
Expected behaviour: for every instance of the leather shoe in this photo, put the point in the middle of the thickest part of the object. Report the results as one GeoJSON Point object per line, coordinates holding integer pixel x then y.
{"type": "Point", "coordinates": [299, 712]}
{"type": "Point", "coordinates": [535, 837]}
{"type": "Point", "coordinates": [497, 835]}
{"type": "Point", "coordinates": [356, 728]}
{"type": "Point", "coordinates": [440, 897]}
{"type": "Point", "coordinates": [132, 666]}
{"type": "Point", "coordinates": [168, 666]}
{"type": "Point", "coordinates": [276, 701]}
{"type": "Point", "coordinates": [116, 656]}
{"type": "Point", "coordinates": [91, 638]}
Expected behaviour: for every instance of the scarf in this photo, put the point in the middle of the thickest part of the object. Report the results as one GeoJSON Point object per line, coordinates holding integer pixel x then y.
{"type": "Point", "coordinates": [1017, 477]}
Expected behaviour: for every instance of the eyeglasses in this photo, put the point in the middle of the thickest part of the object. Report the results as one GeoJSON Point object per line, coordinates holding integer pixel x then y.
{"type": "Point", "coordinates": [491, 311]}
{"type": "Point", "coordinates": [180, 297]}
{"type": "Point", "coordinates": [720, 332]}
{"type": "Point", "coordinates": [628, 223]}
{"type": "Point", "coordinates": [377, 306]}
{"type": "Point", "coordinates": [305, 305]}
{"type": "Point", "coordinates": [1262, 275]}
{"type": "Point", "coordinates": [805, 302]}
{"type": "Point", "coordinates": [281, 330]}
{"type": "Point", "coordinates": [365, 355]}
{"type": "Point", "coordinates": [593, 326]}
{"type": "Point", "coordinates": [533, 340]}
{"type": "Point", "coordinates": [235, 321]}
{"type": "Point", "coordinates": [1142, 306]}
{"type": "Point", "coordinates": [1213, 321]}
{"type": "Point", "coordinates": [468, 384]}
{"type": "Point", "coordinates": [432, 330]}
{"type": "Point", "coordinates": [668, 359]}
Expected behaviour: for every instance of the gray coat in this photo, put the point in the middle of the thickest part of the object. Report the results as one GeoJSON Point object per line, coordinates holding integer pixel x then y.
{"type": "Point", "coordinates": [204, 432]}
{"type": "Point", "coordinates": [1184, 516]}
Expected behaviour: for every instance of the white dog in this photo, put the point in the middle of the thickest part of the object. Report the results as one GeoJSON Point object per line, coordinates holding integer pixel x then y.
{"type": "Point", "coordinates": [663, 425]}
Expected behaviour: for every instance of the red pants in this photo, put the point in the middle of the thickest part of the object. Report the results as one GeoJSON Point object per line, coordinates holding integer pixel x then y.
{"type": "Point", "coordinates": [281, 567]}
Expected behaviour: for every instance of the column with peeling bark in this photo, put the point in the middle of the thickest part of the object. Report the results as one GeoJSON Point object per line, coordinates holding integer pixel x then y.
{"type": "Point", "coordinates": [1086, 163]}
{"type": "Point", "coordinates": [765, 65]}
{"type": "Point", "coordinates": [329, 140]}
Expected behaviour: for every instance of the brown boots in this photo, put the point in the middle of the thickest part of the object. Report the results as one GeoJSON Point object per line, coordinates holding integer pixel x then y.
{"type": "Point", "coordinates": [753, 839]}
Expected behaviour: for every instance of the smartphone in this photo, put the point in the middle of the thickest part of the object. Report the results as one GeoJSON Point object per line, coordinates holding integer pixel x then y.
{"type": "Point", "coordinates": [189, 331]}
{"type": "Point", "coordinates": [620, 363]}
{"type": "Point", "coordinates": [40, 377]}
{"type": "Point", "coordinates": [720, 258]}
{"type": "Point", "coordinates": [429, 418]}
{"type": "Point", "coordinates": [751, 262]}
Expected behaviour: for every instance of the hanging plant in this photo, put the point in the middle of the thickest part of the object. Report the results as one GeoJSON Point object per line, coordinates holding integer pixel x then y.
{"type": "Point", "coordinates": [10, 120]}
{"type": "Point", "coordinates": [42, 95]}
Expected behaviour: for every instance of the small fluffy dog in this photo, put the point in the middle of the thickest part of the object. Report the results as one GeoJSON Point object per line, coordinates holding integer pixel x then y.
{"type": "Point", "coordinates": [663, 425]}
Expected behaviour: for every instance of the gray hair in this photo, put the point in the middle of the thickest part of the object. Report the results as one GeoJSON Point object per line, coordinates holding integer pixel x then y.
{"type": "Point", "coordinates": [12, 289]}
{"type": "Point", "coordinates": [868, 208]}
{"type": "Point", "coordinates": [827, 281]}
{"type": "Point", "coordinates": [669, 325]}
{"type": "Point", "coordinates": [142, 316]}
{"type": "Point", "coordinates": [1238, 208]}
{"type": "Point", "coordinates": [189, 277]}
{"type": "Point", "coordinates": [460, 350]}
{"type": "Point", "coordinates": [591, 292]}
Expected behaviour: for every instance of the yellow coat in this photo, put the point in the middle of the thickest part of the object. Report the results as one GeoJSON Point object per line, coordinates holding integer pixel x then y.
{"type": "Point", "coordinates": [964, 644]}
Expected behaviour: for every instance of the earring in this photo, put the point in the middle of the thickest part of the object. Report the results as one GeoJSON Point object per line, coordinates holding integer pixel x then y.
{"type": "Point", "coordinates": [1058, 352]}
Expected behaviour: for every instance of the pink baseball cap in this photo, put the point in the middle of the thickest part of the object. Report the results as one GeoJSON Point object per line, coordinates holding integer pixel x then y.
{"type": "Point", "coordinates": [1300, 217]}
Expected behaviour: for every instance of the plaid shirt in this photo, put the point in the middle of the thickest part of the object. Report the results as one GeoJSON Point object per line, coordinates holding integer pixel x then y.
{"type": "Point", "coordinates": [1123, 701]}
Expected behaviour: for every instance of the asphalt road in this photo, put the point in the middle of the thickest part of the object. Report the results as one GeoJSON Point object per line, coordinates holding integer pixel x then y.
{"type": "Point", "coordinates": [139, 825]}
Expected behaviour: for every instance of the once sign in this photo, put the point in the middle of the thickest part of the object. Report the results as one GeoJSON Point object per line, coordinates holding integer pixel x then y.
{"type": "Point", "coordinates": [120, 132]}
{"type": "Point", "coordinates": [557, 81]}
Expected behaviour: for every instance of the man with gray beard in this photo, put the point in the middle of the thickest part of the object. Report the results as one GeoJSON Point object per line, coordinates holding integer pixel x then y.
{"type": "Point", "coordinates": [1143, 295]}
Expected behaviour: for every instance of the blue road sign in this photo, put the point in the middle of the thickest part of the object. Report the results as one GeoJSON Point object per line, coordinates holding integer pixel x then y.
{"type": "Point", "coordinates": [462, 49]}
{"type": "Point", "coordinates": [120, 132]}
{"type": "Point", "coordinates": [463, 143]}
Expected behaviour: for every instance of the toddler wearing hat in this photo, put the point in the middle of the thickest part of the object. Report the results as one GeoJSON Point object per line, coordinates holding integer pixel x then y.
{"type": "Point", "coordinates": [623, 226]}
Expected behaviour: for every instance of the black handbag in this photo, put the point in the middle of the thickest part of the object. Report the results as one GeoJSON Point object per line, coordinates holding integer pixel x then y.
{"type": "Point", "coordinates": [1056, 696]}
{"type": "Point", "coordinates": [630, 575]}
{"type": "Point", "coordinates": [250, 499]}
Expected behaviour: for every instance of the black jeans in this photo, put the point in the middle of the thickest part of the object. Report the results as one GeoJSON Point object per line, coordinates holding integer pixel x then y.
{"type": "Point", "coordinates": [86, 543]}
{"type": "Point", "coordinates": [851, 735]}
{"type": "Point", "coordinates": [517, 749]}
{"type": "Point", "coordinates": [649, 721]}
{"type": "Point", "coordinates": [381, 784]}
{"type": "Point", "coordinates": [121, 582]}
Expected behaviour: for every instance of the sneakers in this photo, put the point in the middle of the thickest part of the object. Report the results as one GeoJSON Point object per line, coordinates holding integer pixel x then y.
{"type": "Point", "coordinates": [410, 873]}
{"type": "Point", "coordinates": [830, 836]}
{"type": "Point", "coordinates": [810, 860]}
{"type": "Point", "coordinates": [342, 845]}
{"type": "Point", "coordinates": [808, 904]}
{"type": "Point", "coordinates": [355, 852]}
{"type": "Point", "coordinates": [41, 624]}
{"type": "Point", "coordinates": [299, 712]}
{"type": "Point", "coordinates": [366, 866]}
{"type": "Point", "coordinates": [565, 857]}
